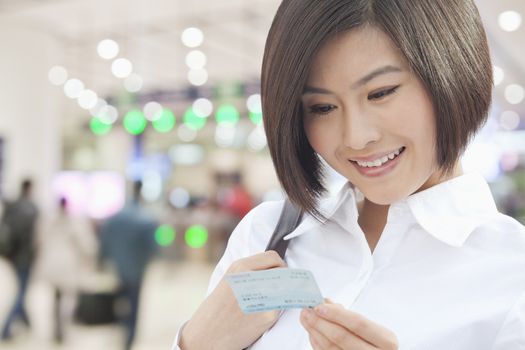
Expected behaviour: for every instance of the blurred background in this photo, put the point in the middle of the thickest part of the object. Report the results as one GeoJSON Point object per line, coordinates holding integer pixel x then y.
{"type": "Point", "coordinates": [96, 95]}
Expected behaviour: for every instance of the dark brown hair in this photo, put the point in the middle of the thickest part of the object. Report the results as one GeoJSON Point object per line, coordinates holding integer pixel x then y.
{"type": "Point", "coordinates": [443, 41]}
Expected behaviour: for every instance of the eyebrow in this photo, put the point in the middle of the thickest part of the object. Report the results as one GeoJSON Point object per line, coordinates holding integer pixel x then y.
{"type": "Point", "coordinates": [367, 78]}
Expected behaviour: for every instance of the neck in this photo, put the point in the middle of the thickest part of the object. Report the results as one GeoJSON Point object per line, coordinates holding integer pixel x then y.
{"type": "Point", "coordinates": [372, 220]}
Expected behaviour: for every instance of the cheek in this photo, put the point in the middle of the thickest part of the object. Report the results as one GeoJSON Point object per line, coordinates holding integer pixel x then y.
{"type": "Point", "coordinates": [322, 138]}
{"type": "Point", "coordinates": [415, 119]}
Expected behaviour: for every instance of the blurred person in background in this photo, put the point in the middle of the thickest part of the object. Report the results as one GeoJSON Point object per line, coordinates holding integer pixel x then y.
{"type": "Point", "coordinates": [66, 250]}
{"type": "Point", "coordinates": [237, 199]}
{"type": "Point", "coordinates": [21, 217]}
{"type": "Point", "coordinates": [127, 240]}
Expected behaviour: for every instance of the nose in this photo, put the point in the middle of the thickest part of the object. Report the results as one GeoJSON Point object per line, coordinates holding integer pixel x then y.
{"type": "Point", "coordinates": [360, 130]}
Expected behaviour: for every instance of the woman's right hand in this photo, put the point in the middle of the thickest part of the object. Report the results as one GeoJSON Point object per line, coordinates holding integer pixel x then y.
{"type": "Point", "coordinates": [219, 322]}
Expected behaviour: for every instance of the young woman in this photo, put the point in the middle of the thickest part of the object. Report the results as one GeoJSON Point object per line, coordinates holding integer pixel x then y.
{"type": "Point", "coordinates": [412, 252]}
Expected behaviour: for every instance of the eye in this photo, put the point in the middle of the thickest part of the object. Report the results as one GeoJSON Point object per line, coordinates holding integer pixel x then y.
{"type": "Point", "coordinates": [383, 93]}
{"type": "Point", "coordinates": [321, 109]}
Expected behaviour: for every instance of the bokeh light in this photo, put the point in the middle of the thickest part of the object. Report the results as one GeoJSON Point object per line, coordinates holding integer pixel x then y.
{"type": "Point", "coordinates": [87, 99]}
{"type": "Point", "coordinates": [509, 21]}
{"type": "Point", "coordinates": [198, 77]}
{"type": "Point", "coordinates": [121, 67]}
{"type": "Point", "coordinates": [108, 114]}
{"type": "Point", "coordinates": [256, 118]}
{"type": "Point", "coordinates": [166, 122]}
{"type": "Point", "coordinates": [107, 49]}
{"type": "Point", "coordinates": [225, 135]}
{"type": "Point", "coordinates": [257, 139]}
{"type": "Point", "coordinates": [196, 59]}
{"type": "Point", "coordinates": [133, 83]}
{"type": "Point", "coordinates": [193, 121]}
{"type": "Point", "coordinates": [192, 37]}
{"type": "Point", "coordinates": [499, 75]}
{"type": "Point", "coordinates": [203, 107]}
{"type": "Point", "coordinates": [152, 110]}
{"type": "Point", "coordinates": [196, 236]}
{"type": "Point", "coordinates": [135, 122]}
{"type": "Point", "coordinates": [514, 94]}
{"type": "Point", "coordinates": [254, 103]}
{"type": "Point", "coordinates": [98, 127]}
{"type": "Point", "coordinates": [509, 120]}
{"type": "Point", "coordinates": [227, 114]}
{"type": "Point", "coordinates": [97, 108]}
{"type": "Point", "coordinates": [186, 133]}
{"type": "Point", "coordinates": [73, 88]}
{"type": "Point", "coordinates": [165, 235]}
{"type": "Point", "coordinates": [151, 185]}
{"type": "Point", "coordinates": [179, 197]}
{"type": "Point", "coordinates": [57, 75]}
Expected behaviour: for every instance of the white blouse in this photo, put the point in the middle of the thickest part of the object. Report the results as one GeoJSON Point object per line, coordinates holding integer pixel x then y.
{"type": "Point", "coordinates": [447, 273]}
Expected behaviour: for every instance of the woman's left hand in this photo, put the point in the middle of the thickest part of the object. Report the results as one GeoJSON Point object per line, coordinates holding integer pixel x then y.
{"type": "Point", "coordinates": [331, 326]}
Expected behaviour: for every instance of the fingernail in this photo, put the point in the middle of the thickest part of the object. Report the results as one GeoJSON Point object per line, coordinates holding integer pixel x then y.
{"type": "Point", "coordinates": [321, 310]}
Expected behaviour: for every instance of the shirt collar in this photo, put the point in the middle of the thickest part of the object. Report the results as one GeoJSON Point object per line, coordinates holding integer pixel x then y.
{"type": "Point", "coordinates": [449, 211]}
{"type": "Point", "coordinates": [452, 210]}
{"type": "Point", "coordinates": [328, 206]}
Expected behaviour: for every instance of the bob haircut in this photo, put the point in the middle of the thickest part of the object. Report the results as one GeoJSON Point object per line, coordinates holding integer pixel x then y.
{"type": "Point", "coordinates": [443, 41]}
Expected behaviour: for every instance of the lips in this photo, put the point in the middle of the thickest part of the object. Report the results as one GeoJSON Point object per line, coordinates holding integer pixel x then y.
{"type": "Point", "coordinates": [377, 159]}
{"type": "Point", "coordinates": [383, 169]}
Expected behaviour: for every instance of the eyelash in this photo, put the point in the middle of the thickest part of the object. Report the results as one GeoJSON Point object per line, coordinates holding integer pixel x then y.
{"type": "Point", "coordinates": [318, 109]}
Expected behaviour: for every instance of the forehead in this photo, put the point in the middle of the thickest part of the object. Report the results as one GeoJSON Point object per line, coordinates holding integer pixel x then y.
{"type": "Point", "coordinates": [355, 53]}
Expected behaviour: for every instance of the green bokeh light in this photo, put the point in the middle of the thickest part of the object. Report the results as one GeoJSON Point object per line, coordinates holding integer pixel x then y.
{"type": "Point", "coordinates": [98, 127]}
{"type": "Point", "coordinates": [196, 236]}
{"type": "Point", "coordinates": [256, 118]}
{"type": "Point", "coordinates": [165, 235]}
{"type": "Point", "coordinates": [135, 122]}
{"type": "Point", "coordinates": [193, 121]}
{"type": "Point", "coordinates": [166, 121]}
{"type": "Point", "coordinates": [227, 114]}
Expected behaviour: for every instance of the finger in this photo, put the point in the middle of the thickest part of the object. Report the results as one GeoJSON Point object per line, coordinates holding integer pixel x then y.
{"type": "Point", "coordinates": [320, 342]}
{"type": "Point", "coordinates": [315, 344]}
{"type": "Point", "coordinates": [261, 261]}
{"type": "Point", "coordinates": [333, 333]}
{"type": "Point", "coordinates": [317, 339]}
{"type": "Point", "coordinates": [369, 331]}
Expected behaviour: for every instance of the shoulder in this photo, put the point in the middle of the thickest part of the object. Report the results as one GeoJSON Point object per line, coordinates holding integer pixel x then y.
{"type": "Point", "coordinates": [499, 245]}
{"type": "Point", "coordinates": [502, 233]}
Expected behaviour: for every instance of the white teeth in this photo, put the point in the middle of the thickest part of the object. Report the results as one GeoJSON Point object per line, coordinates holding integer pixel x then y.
{"type": "Point", "coordinates": [380, 161]}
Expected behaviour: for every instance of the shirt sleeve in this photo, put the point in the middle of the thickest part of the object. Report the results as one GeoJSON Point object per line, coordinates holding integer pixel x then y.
{"type": "Point", "coordinates": [512, 332]}
{"type": "Point", "coordinates": [177, 338]}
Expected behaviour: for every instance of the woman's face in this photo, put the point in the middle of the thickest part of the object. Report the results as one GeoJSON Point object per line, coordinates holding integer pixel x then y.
{"type": "Point", "coordinates": [370, 117]}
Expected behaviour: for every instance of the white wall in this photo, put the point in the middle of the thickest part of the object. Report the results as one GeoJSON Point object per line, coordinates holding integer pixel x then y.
{"type": "Point", "coordinates": [29, 109]}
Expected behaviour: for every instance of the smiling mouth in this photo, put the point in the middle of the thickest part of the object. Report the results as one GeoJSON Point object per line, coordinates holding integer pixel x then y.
{"type": "Point", "coordinates": [378, 163]}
